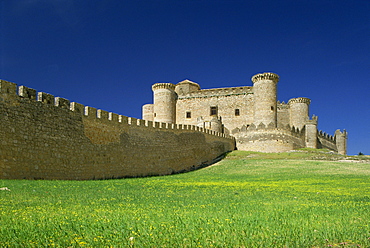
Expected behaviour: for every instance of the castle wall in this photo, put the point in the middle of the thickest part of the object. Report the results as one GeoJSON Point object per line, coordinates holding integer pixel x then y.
{"type": "Point", "coordinates": [326, 141]}
{"type": "Point", "coordinates": [43, 137]}
{"type": "Point", "coordinates": [283, 114]}
{"type": "Point", "coordinates": [269, 139]}
{"type": "Point", "coordinates": [227, 101]}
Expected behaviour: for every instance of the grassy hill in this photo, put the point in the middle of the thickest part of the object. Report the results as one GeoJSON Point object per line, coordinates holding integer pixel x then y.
{"type": "Point", "coordinates": [305, 198]}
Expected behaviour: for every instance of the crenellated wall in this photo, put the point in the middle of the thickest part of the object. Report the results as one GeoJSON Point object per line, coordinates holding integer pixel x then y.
{"type": "Point", "coordinates": [47, 137]}
{"type": "Point", "coordinates": [268, 138]}
{"type": "Point", "coordinates": [326, 141]}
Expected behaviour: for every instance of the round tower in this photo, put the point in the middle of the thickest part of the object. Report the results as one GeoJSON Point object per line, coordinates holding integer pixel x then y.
{"type": "Point", "coordinates": [148, 112]}
{"type": "Point", "coordinates": [164, 107]}
{"type": "Point", "coordinates": [299, 111]}
{"type": "Point", "coordinates": [264, 90]}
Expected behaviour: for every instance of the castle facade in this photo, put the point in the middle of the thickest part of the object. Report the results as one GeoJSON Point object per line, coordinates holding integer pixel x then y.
{"type": "Point", "coordinates": [251, 114]}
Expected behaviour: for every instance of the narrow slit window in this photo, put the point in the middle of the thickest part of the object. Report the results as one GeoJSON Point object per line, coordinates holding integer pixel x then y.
{"type": "Point", "coordinates": [213, 110]}
{"type": "Point", "coordinates": [237, 112]}
{"type": "Point", "coordinates": [188, 115]}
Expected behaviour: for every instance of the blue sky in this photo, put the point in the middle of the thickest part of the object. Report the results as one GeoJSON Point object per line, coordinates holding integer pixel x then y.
{"type": "Point", "coordinates": [107, 54]}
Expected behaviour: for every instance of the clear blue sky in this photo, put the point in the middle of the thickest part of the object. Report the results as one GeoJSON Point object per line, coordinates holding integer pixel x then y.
{"type": "Point", "coordinates": [107, 54]}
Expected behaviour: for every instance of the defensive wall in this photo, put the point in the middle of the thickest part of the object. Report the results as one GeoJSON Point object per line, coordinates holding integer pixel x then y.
{"type": "Point", "coordinates": [269, 138]}
{"type": "Point", "coordinates": [327, 141]}
{"type": "Point", "coordinates": [47, 137]}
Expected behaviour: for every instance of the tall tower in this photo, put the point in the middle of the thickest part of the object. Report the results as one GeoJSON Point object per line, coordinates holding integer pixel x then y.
{"type": "Point", "coordinates": [311, 133]}
{"type": "Point", "coordinates": [164, 109]}
{"type": "Point", "coordinates": [299, 108]}
{"type": "Point", "coordinates": [264, 89]}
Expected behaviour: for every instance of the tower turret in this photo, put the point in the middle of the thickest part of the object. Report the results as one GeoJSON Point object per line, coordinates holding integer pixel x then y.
{"type": "Point", "coordinates": [164, 109]}
{"type": "Point", "coordinates": [186, 87]}
{"type": "Point", "coordinates": [311, 132]}
{"type": "Point", "coordinates": [299, 111]}
{"type": "Point", "coordinates": [264, 90]}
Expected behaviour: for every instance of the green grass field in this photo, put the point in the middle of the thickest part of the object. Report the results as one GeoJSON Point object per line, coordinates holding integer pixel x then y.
{"type": "Point", "coordinates": [246, 200]}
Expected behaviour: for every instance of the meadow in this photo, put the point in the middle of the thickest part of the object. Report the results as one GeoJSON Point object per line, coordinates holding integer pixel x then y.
{"type": "Point", "coordinates": [300, 199]}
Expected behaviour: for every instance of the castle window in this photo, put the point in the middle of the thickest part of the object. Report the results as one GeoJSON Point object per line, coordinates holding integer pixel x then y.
{"type": "Point", "coordinates": [213, 111]}
{"type": "Point", "coordinates": [155, 115]}
{"type": "Point", "coordinates": [188, 115]}
{"type": "Point", "coordinates": [237, 112]}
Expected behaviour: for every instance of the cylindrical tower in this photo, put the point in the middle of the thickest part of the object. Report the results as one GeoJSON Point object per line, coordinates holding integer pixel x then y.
{"type": "Point", "coordinates": [148, 112]}
{"type": "Point", "coordinates": [299, 111]}
{"type": "Point", "coordinates": [164, 109]}
{"type": "Point", "coordinates": [264, 90]}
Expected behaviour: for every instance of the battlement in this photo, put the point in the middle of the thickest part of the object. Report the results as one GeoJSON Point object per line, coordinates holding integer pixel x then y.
{"type": "Point", "coordinates": [29, 94]}
{"type": "Point", "coordinates": [282, 105]}
{"type": "Point", "coordinates": [313, 120]}
{"type": "Point", "coordinates": [299, 100]}
{"type": "Point", "coordinates": [268, 138]}
{"type": "Point", "coordinates": [265, 76]}
{"type": "Point", "coordinates": [326, 136]}
{"type": "Point", "coordinates": [262, 127]}
{"type": "Point", "coordinates": [340, 133]}
{"type": "Point", "coordinates": [219, 92]}
{"type": "Point", "coordinates": [158, 86]}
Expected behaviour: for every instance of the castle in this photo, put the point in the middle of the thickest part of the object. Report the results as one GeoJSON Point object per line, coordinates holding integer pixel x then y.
{"type": "Point", "coordinates": [48, 137]}
{"type": "Point", "coordinates": [251, 114]}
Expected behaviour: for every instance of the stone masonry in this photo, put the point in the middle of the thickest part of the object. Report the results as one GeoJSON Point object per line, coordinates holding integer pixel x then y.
{"type": "Point", "coordinates": [47, 137]}
{"type": "Point", "coordinates": [251, 114]}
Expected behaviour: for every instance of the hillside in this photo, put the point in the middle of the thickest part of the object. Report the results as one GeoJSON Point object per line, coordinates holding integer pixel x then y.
{"type": "Point", "coordinates": [294, 199]}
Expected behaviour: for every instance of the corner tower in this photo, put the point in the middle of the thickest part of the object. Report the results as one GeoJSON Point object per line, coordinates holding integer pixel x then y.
{"type": "Point", "coordinates": [164, 107]}
{"type": "Point", "coordinates": [264, 89]}
{"type": "Point", "coordinates": [341, 141]}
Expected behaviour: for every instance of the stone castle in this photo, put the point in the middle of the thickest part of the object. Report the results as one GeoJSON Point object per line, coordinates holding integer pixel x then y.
{"type": "Point", "coordinates": [251, 114]}
{"type": "Point", "coordinates": [48, 137]}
